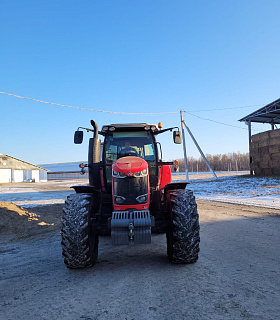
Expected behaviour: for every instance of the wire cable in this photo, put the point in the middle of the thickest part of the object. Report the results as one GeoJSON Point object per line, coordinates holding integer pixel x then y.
{"type": "Point", "coordinates": [87, 109]}
{"type": "Point", "coordinates": [132, 113]}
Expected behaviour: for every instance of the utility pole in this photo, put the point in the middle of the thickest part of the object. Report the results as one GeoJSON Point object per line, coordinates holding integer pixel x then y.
{"type": "Point", "coordinates": [184, 147]}
{"type": "Point", "coordinates": [183, 123]}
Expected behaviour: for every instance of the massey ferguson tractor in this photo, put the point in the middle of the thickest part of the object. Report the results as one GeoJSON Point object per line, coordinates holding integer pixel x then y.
{"type": "Point", "coordinates": [129, 196]}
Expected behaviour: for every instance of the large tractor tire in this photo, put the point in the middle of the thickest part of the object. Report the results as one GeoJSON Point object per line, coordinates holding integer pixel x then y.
{"type": "Point", "coordinates": [78, 239]}
{"type": "Point", "coordinates": [183, 238]}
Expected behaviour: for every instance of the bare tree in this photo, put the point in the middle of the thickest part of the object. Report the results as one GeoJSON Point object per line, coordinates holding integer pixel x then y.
{"type": "Point", "coordinates": [219, 162]}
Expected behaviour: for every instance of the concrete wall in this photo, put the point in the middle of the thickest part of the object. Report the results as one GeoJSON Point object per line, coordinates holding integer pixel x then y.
{"type": "Point", "coordinates": [265, 153]}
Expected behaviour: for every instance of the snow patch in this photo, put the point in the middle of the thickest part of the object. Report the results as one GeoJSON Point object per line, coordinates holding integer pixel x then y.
{"type": "Point", "coordinates": [246, 190]}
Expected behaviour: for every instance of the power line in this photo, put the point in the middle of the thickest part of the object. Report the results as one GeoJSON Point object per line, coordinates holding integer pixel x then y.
{"type": "Point", "coordinates": [133, 113]}
{"type": "Point", "coordinates": [87, 109]}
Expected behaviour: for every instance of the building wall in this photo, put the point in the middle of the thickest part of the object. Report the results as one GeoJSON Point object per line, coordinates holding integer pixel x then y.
{"type": "Point", "coordinates": [43, 175]}
{"type": "Point", "coordinates": [15, 170]}
{"type": "Point", "coordinates": [10, 175]}
{"type": "Point", "coordinates": [27, 175]}
{"type": "Point", "coordinates": [265, 153]}
{"type": "Point", "coordinates": [17, 175]}
{"type": "Point", "coordinates": [35, 175]}
{"type": "Point", "coordinates": [5, 175]}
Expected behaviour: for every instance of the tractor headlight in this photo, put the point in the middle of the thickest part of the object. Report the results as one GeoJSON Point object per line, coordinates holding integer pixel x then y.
{"type": "Point", "coordinates": [142, 173]}
{"type": "Point", "coordinates": [117, 174]}
{"type": "Point", "coordinates": [143, 198]}
{"type": "Point", "coordinates": [119, 199]}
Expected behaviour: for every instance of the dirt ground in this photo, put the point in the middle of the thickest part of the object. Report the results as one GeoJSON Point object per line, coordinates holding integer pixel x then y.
{"type": "Point", "coordinates": [236, 277]}
{"type": "Point", "coordinates": [17, 223]}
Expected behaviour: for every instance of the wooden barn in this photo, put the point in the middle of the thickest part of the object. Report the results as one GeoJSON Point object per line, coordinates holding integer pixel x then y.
{"type": "Point", "coordinates": [264, 147]}
{"type": "Point", "coordinates": [16, 170]}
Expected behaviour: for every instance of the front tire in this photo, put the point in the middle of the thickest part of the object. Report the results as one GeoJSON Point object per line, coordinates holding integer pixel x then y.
{"type": "Point", "coordinates": [78, 239]}
{"type": "Point", "coordinates": [183, 238]}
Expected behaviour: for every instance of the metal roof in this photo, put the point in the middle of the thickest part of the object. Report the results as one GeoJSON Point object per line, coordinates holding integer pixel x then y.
{"type": "Point", "coordinates": [267, 114]}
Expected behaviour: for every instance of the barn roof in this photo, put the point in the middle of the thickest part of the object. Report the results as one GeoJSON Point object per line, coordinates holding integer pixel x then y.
{"type": "Point", "coordinates": [9, 162]}
{"type": "Point", "coordinates": [267, 114]}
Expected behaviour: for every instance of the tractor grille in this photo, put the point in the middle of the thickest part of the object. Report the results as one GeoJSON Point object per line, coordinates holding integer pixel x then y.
{"type": "Point", "coordinates": [129, 189]}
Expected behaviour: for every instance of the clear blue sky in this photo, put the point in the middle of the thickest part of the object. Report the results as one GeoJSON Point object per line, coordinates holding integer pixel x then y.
{"type": "Point", "coordinates": [134, 56]}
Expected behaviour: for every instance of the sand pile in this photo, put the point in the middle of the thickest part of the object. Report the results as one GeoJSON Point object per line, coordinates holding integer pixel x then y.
{"type": "Point", "coordinates": [19, 223]}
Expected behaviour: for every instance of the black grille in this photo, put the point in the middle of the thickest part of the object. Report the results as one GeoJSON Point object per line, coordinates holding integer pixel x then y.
{"type": "Point", "coordinates": [129, 188]}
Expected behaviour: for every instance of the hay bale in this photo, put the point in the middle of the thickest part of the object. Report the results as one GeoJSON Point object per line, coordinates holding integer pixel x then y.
{"type": "Point", "coordinates": [274, 134]}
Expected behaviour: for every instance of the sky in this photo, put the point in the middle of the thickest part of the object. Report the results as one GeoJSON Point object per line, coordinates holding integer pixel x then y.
{"type": "Point", "coordinates": [216, 60]}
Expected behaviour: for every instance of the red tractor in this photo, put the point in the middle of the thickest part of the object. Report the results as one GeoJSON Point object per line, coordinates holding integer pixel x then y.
{"type": "Point", "coordinates": [130, 195]}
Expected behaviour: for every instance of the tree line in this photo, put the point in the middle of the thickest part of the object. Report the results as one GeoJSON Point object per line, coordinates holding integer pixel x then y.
{"type": "Point", "coordinates": [219, 162]}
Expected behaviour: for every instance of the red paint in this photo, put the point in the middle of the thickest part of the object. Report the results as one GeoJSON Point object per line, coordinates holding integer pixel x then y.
{"type": "Point", "coordinates": [136, 207]}
{"type": "Point", "coordinates": [164, 176]}
{"type": "Point", "coordinates": [130, 166]}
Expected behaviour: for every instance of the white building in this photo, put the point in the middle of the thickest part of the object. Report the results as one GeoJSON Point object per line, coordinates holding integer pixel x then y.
{"type": "Point", "coordinates": [15, 170]}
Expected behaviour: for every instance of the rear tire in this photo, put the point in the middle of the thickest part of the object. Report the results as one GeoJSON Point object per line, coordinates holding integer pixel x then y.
{"type": "Point", "coordinates": [78, 239]}
{"type": "Point", "coordinates": [183, 238]}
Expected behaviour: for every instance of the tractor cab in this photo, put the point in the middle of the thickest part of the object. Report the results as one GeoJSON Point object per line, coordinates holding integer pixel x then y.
{"type": "Point", "coordinates": [129, 141]}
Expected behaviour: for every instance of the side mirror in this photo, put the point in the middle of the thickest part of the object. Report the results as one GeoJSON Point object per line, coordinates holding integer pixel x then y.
{"type": "Point", "coordinates": [177, 137]}
{"type": "Point", "coordinates": [78, 137]}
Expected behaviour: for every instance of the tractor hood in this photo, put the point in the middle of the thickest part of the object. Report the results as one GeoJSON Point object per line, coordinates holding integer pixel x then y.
{"type": "Point", "coordinates": [130, 166]}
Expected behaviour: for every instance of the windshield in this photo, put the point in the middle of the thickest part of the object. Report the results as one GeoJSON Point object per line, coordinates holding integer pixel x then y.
{"type": "Point", "coordinates": [121, 144]}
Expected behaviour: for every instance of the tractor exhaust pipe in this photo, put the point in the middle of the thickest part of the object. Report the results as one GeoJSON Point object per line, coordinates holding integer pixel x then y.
{"type": "Point", "coordinates": [95, 127]}
{"type": "Point", "coordinates": [94, 153]}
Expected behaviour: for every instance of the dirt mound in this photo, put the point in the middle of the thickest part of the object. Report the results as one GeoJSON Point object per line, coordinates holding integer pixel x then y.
{"type": "Point", "coordinates": [19, 223]}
